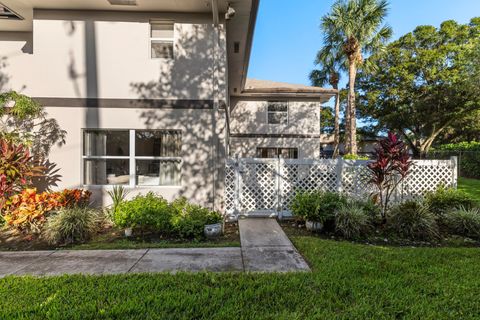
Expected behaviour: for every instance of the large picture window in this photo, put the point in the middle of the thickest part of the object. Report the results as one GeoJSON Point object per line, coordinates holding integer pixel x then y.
{"type": "Point", "coordinates": [132, 157]}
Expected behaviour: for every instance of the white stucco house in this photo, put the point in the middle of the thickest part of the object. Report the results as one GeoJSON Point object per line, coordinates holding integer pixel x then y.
{"type": "Point", "coordinates": [154, 94]}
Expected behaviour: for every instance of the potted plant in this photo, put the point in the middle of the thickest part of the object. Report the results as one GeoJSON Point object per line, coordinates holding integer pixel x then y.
{"type": "Point", "coordinates": [213, 225]}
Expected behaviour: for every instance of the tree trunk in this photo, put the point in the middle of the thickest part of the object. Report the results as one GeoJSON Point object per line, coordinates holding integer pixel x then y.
{"type": "Point", "coordinates": [352, 126]}
{"type": "Point", "coordinates": [336, 129]}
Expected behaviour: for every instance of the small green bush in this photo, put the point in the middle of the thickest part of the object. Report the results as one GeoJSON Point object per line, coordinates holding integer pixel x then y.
{"type": "Point", "coordinates": [317, 206]}
{"type": "Point", "coordinates": [72, 225]}
{"type": "Point", "coordinates": [350, 156]}
{"type": "Point", "coordinates": [351, 221]}
{"type": "Point", "coordinates": [463, 222]}
{"type": "Point", "coordinates": [369, 207]}
{"type": "Point", "coordinates": [443, 200]}
{"type": "Point", "coordinates": [148, 211]}
{"type": "Point", "coordinates": [189, 220]}
{"type": "Point", "coordinates": [413, 220]}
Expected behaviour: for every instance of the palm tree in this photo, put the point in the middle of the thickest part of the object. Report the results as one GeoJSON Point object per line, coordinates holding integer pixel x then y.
{"type": "Point", "coordinates": [331, 63]}
{"type": "Point", "coordinates": [356, 27]}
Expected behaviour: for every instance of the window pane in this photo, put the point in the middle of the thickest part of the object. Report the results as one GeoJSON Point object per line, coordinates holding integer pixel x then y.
{"type": "Point", "coordinates": [151, 143]}
{"type": "Point", "coordinates": [288, 153]}
{"type": "Point", "coordinates": [162, 49]}
{"type": "Point", "coordinates": [106, 171]}
{"type": "Point", "coordinates": [161, 30]}
{"type": "Point", "coordinates": [267, 152]}
{"type": "Point", "coordinates": [158, 172]}
{"type": "Point", "coordinates": [277, 106]}
{"type": "Point", "coordinates": [105, 143]}
{"type": "Point", "coordinates": [277, 118]}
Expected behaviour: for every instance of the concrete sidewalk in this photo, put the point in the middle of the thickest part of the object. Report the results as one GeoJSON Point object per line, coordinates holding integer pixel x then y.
{"type": "Point", "coordinates": [265, 248]}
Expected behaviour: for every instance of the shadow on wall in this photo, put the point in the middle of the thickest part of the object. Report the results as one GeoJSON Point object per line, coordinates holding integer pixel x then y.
{"type": "Point", "coordinates": [182, 98]}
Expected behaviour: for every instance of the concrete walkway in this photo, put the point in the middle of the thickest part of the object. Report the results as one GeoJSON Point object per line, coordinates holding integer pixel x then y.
{"type": "Point", "coordinates": [265, 248]}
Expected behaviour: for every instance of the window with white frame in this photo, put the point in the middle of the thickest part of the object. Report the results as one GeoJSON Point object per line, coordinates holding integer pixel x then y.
{"type": "Point", "coordinates": [277, 112]}
{"type": "Point", "coordinates": [132, 157]}
{"type": "Point", "coordinates": [161, 40]}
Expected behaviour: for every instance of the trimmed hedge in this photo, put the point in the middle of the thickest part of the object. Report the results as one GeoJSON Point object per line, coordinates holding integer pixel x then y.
{"type": "Point", "coordinates": [468, 154]}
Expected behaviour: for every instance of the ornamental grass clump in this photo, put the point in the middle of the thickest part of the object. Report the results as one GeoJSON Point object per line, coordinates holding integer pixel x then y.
{"type": "Point", "coordinates": [73, 225]}
{"type": "Point", "coordinates": [413, 220]}
{"type": "Point", "coordinates": [463, 222]}
{"type": "Point", "coordinates": [351, 221]}
{"type": "Point", "coordinates": [446, 199]}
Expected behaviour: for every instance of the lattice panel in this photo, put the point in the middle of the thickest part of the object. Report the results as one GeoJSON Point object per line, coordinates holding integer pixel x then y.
{"type": "Point", "coordinates": [258, 187]}
{"type": "Point", "coordinates": [355, 181]}
{"type": "Point", "coordinates": [305, 177]}
{"type": "Point", "coordinates": [230, 188]}
{"type": "Point", "coordinates": [427, 176]}
{"type": "Point", "coordinates": [262, 182]}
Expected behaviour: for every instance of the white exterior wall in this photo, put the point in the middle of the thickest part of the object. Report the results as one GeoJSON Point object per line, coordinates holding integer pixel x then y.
{"type": "Point", "coordinates": [197, 152]}
{"type": "Point", "coordinates": [249, 117]}
{"type": "Point", "coordinates": [104, 54]}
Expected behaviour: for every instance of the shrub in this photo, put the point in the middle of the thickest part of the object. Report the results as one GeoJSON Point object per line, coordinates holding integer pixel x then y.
{"type": "Point", "coordinates": [28, 210]}
{"type": "Point", "coordinates": [369, 207]}
{"type": "Point", "coordinates": [463, 222]}
{"type": "Point", "coordinates": [351, 220]}
{"type": "Point", "coordinates": [468, 152]}
{"type": "Point", "coordinates": [413, 220]}
{"type": "Point", "coordinates": [317, 206]}
{"type": "Point", "coordinates": [71, 225]}
{"type": "Point", "coordinates": [355, 157]}
{"type": "Point", "coordinates": [443, 200]}
{"type": "Point", "coordinates": [16, 169]}
{"type": "Point", "coordinates": [391, 167]}
{"type": "Point", "coordinates": [189, 220]}
{"type": "Point", "coordinates": [145, 212]}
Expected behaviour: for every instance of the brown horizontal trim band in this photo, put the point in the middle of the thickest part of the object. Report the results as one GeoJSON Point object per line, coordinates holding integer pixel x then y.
{"type": "Point", "coordinates": [273, 135]}
{"type": "Point", "coordinates": [125, 103]}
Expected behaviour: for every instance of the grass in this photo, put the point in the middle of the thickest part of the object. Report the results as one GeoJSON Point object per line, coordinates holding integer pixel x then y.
{"type": "Point", "coordinates": [470, 186]}
{"type": "Point", "coordinates": [348, 281]}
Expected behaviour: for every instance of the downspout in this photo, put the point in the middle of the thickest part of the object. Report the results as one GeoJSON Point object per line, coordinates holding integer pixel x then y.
{"type": "Point", "coordinates": [216, 40]}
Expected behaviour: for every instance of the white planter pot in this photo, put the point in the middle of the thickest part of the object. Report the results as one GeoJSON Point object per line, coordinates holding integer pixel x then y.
{"type": "Point", "coordinates": [128, 232]}
{"type": "Point", "coordinates": [313, 225]}
{"type": "Point", "coordinates": [213, 230]}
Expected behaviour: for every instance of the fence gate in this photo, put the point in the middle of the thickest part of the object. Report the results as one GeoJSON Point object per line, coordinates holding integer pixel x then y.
{"type": "Point", "coordinates": [266, 187]}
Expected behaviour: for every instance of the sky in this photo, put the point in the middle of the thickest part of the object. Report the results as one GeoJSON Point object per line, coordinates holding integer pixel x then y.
{"type": "Point", "coordinates": [287, 35]}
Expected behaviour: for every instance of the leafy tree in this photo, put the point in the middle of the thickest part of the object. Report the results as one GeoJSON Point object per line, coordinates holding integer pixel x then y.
{"type": "Point", "coordinates": [23, 120]}
{"type": "Point", "coordinates": [331, 62]}
{"type": "Point", "coordinates": [356, 27]}
{"type": "Point", "coordinates": [327, 120]}
{"type": "Point", "coordinates": [425, 83]}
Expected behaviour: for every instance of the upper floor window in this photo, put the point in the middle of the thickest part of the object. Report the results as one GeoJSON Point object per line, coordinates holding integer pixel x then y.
{"type": "Point", "coordinates": [161, 40]}
{"type": "Point", "coordinates": [277, 112]}
{"type": "Point", "coordinates": [285, 153]}
{"type": "Point", "coordinates": [132, 157]}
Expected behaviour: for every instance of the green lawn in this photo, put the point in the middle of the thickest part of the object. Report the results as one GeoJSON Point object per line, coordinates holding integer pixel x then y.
{"type": "Point", "coordinates": [349, 281]}
{"type": "Point", "coordinates": [470, 186]}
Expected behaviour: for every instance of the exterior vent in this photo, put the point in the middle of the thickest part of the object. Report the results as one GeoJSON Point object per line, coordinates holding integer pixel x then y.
{"type": "Point", "coordinates": [236, 47]}
{"type": "Point", "coordinates": [123, 2]}
{"type": "Point", "coordinates": [6, 13]}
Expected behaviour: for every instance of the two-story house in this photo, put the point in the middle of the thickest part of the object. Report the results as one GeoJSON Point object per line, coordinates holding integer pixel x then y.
{"type": "Point", "coordinates": [153, 94]}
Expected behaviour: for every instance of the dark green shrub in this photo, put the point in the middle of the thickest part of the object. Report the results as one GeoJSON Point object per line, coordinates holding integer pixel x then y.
{"type": "Point", "coordinates": [71, 225]}
{"type": "Point", "coordinates": [317, 206]}
{"type": "Point", "coordinates": [189, 220]}
{"type": "Point", "coordinates": [443, 200]}
{"type": "Point", "coordinates": [351, 221]}
{"type": "Point", "coordinates": [148, 211]}
{"type": "Point", "coordinates": [372, 209]}
{"type": "Point", "coordinates": [413, 220]}
{"type": "Point", "coordinates": [463, 222]}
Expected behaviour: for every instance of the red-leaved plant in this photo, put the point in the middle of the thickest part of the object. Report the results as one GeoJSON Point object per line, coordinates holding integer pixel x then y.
{"type": "Point", "coordinates": [16, 169]}
{"type": "Point", "coordinates": [391, 167]}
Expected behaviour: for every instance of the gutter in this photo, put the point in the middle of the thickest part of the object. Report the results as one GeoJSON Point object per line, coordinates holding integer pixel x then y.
{"type": "Point", "coordinates": [249, 42]}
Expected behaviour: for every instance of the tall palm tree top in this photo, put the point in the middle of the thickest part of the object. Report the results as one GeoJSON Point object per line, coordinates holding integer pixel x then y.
{"type": "Point", "coordinates": [356, 26]}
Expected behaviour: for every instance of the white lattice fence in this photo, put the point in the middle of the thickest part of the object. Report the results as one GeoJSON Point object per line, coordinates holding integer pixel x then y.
{"type": "Point", "coordinates": [267, 186]}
